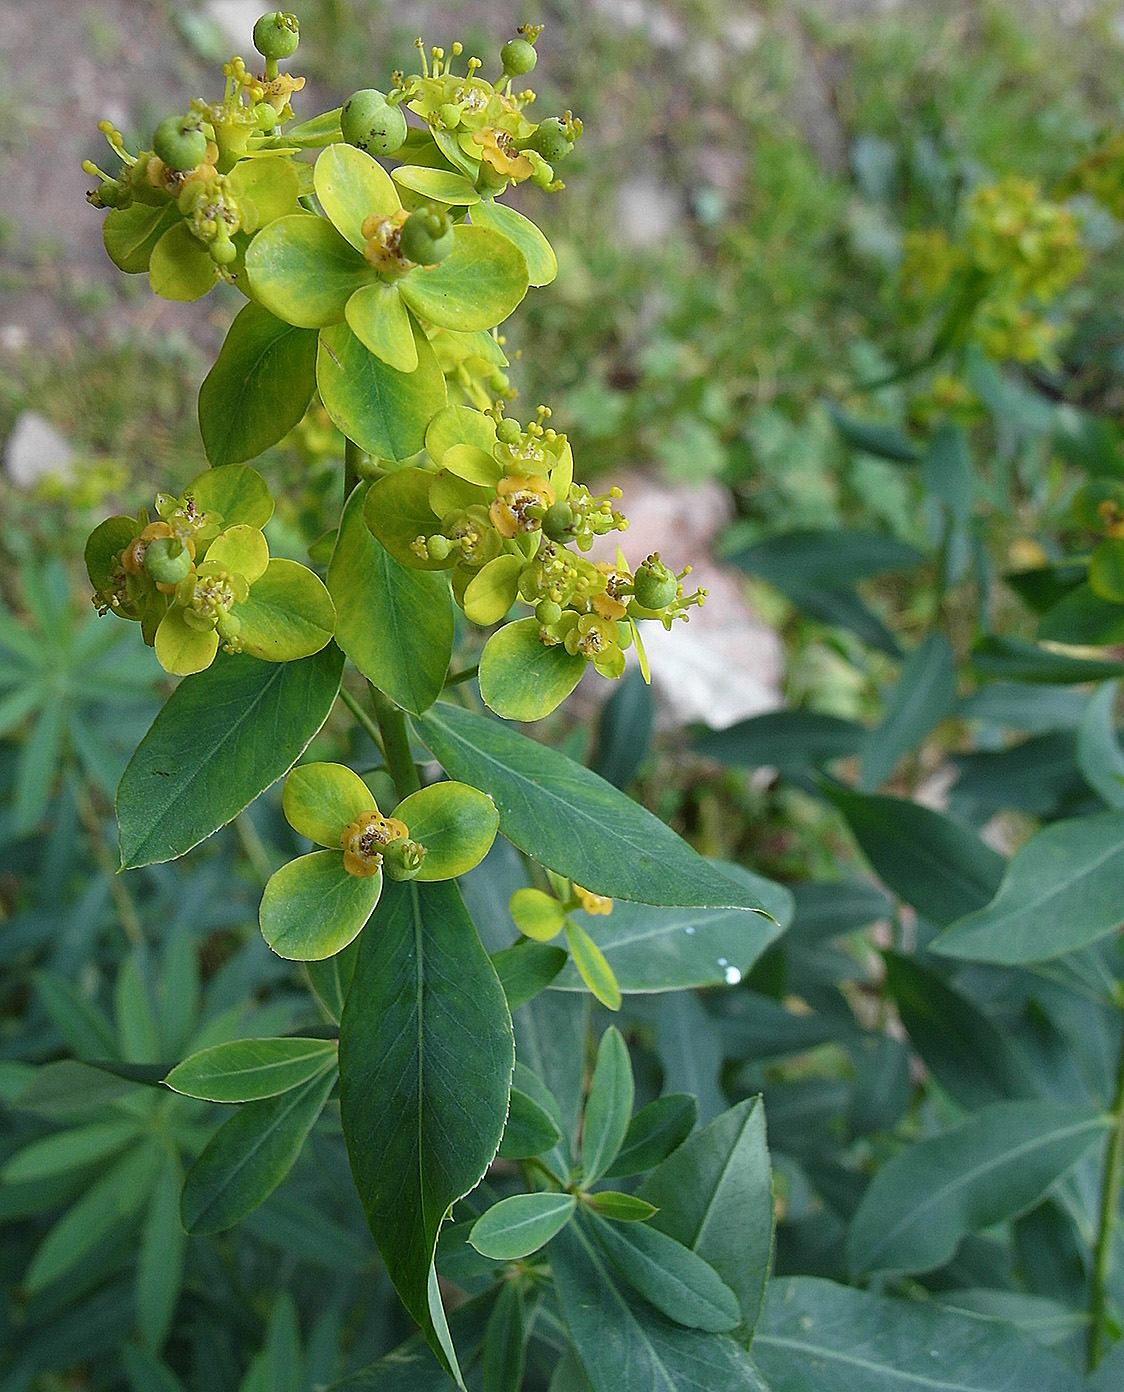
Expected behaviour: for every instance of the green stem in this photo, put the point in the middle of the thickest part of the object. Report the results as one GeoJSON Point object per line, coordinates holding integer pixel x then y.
{"type": "Point", "coordinates": [1110, 1207]}
{"type": "Point", "coordinates": [466, 675]}
{"type": "Point", "coordinates": [352, 459]}
{"type": "Point", "coordinates": [122, 899]}
{"type": "Point", "coordinates": [363, 718]}
{"type": "Point", "coordinates": [395, 743]}
{"type": "Point", "coordinates": [253, 847]}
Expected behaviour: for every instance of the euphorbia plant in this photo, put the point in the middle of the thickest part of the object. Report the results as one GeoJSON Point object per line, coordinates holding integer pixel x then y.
{"type": "Point", "coordinates": [381, 292]}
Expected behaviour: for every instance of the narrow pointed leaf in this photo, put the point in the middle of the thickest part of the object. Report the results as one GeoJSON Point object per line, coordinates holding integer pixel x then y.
{"type": "Point", "coordinates": [1098, 747]}
{"type": "Point", "coordinates": [530, 1129]}
{"type": "Point", "coordinates": [248, 1069]}
{"type": "Point", "coordinates": [923, 696]}
{"type": "Point", "coordinates": [999, 1162]}
{"type": "Point", "coordinates": [653, 1133]}
{"type": "Point", "coordinates": [249, 1156]}
{"type": "Point", "coordinates": [572, 820]}
{"type": "Point", "coordinates": [609, 1108]}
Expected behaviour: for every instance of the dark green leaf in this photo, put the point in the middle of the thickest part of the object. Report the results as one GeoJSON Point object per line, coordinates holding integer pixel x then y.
{"type": "Point", "coordinates": [247, 1070]}
{"type": "Point", "coordinates": [816, 1336]}
{"type": "Point", "coordinates": [250, 1154]}
{"type": "Point", "coordinates": [1098, 747]}
{"type": "Point", "coordinates": [530, 1129]}
{"type": "Point", "coordinates": [923, 696]}
{"type": "Point", "coordinates": [873, 437]}
{"type": "Point", "coordinates": [790, 740]}
{"type": "Point", "coordinates": [829, 557]}
{"type": "Point", "coordinates": [505, 1341]}
{"type": "Point", "coordinates": [829, 909]}
{"type": "Point", "coordinates": [609, 1108]}
{"type": "Point", "coordinates": [623, 1343]}
{"type": "Point", "coordinates": [161, 1256]}
{"type": "Point", "coordinates": [653, 1133]}
{"type": "Point", "coordinates": [1017, 660]}
{"type": "Point", "coordinates": [569, 819]}
{"type": "Point", "coordinates": [527, 968]}
{"type": "Point", "coordinates": [394, 623]}
{"type": "Point", "coordinates": [1060, 892]}
{"type": "Point", "coordinates": [932, 862]}
{"type": "Point", "coordinates": [206, 756]}
{"type": "Point", "coordinates": [516, 1227]}
{"type": "Point", "coordinates": [996, 1164]}
{"type": "Point", "coordinates": [714, 1195]}
{"type": "Point", "coordinates": [624, 730]}
{"type": "Point", "coordinates": [426, 1055]}
{"type": "Point", "coordinates": [259, 387]}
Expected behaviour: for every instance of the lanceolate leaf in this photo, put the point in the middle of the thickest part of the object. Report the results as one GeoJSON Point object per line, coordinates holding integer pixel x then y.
{"type": "Point", "coordinates": [248, 1069]}
{"type": "Point", "coordinates": [623, 1342]}
{"type": "Point", "coordinates": [1098, 747]}
{"type": "Point", "coordinates": [259, 387]}
{"type": "Point", "coordinates": [609, 1109]}
{"type": "Point", "coordinates": [932, 862]}
{"type": "Point", "coordinates": [816, 1336]}
{"type": "Point", "coordinates": [714, 1194]}
{"type": "Point", "coordinates": [204, 760]}
{"type": "Point", "coordinates": [396, 624]}
{"type": "Point", "coordinates": [996, 1164]}
{"type": "Point", "coordinates": [787, 740]}
{"type": "Point", "coordinates": [250, 1154]}
{"type": "Point", "coordinates": [923, 696]}
{"type": "Point", "coordinates": [1061, 891]}
{"type": "Point", "coordinates": [426, 1056]}
{"type": "Point", "coordinates": [571, 820]}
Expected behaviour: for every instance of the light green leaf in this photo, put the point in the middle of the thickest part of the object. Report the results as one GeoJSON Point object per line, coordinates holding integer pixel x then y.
{"type": "Point", "coordinates": [669, 1275]}
{"type": "Point", "coordinates": [590, 963]}
{"type": "Point", "coordinates": [526, 969]}
{"type": "Point", "coordinates": [714, 1194]}
{"type": "Point", "coordinates": [351, 187]}
{"type": "Point", "coordinates": [238, 494]}
{"type": "Point", "coordinates": [518, 1226]}
{"type": "Point", "coordinates": [397, 512]}
{"type": "Point", "coordinates": [249, 1156]}
{"type": "Point", "coordinates": [301, 270]}
{"type": "Point", "coordinates": [476, 287]}
{"type": "Point", "coordinates": [455, 823]}
{"type": "Point", "coordinates": [997, 1163]}
{"type": "Point", "coordinates": [394, 622]}
{"type": "Point", "coordinates": [621, 1208]}
{"type": "Point", "coordinates": [246, 1070]}
{"type": "Point", "coordinates": [530, 1129]}
{"type": "Point", "coordinates": [816, 1336]}
{"type": "Point", "coordinates": [242, 550]}
{"type": "Point", "coordinates": [181, 649]}
{"type": "Point", "coordinates": [270, 183]}
{"type": "Point", "coordinates": [495, 587]}
{"type": "Point", "coordinates": [289, 614]}
{"type": "Point", "coordinates": [426, 1056]}
{"type": "Point", "coordinates": [436, 185]}
{"type": "Point", "coordinates": [180, 267]}
{"type": "Point", "coordinates": [521, 678]}
{"type": "Point", "coordinates": [572, 821]}
{"type": "Point", "coordinates": [200, 764]}
{"type": "Point", "coordinates": [381, 322]}
{"type": "Point", "coordinates": [312, 907]}
{"type": "Point", "coordinates": [321, 799]}
{"type": "Point", "coordinates": [459, 425]}
{"type": "Point", "coordinates": [131, 233]}
{"type": "Point", "coordinates": [259, 387]}
{"type": "Point", "coordinates": [384, 411]}
{"type": "Point", "coordinates": [1060, 892]}
{"type": "Point", "coordinates": [609, 1108]}
{"type": "Point", "coordinates": [542, 264]}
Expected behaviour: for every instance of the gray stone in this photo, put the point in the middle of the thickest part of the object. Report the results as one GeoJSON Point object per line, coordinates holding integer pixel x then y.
{"type": "Point", "coordinates": [35, 451]}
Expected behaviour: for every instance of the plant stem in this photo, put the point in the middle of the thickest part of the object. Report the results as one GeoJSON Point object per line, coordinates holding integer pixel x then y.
{"type": "Point", "coordinates": [466, 675]}
{"type": "Point", "coordinates": [126, 909]}
{"type": "Point", "coordinates": [395, 743]}
{"type": "Point", "coordinates": [253, 847]}
{"type": "Point", "coordinates": [363, 718]}
{"type": "Point", "coordinates": [352, 458]}
{"type": "Point", "coordinates": [1110, 1206]}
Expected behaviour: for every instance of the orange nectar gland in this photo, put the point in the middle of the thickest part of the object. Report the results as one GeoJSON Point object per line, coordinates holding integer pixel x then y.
{"type": "Point", "coordinates": [383, 236]}
{"type": "Point", "coordinates": [1110, 514]}
{"type": "Point", "coordinates": [364, 840]}
{"type": "Point", "coordinates": [520, 505]}
{"type": "Point", "coordinates": [593, 903]}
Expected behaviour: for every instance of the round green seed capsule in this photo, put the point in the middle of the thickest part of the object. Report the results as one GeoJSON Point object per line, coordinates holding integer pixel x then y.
{"type": "Point", "coordinates": [180, 143]}
{"type": "Point", "coordinates": [402, 858]}
{"type": "Point", "coordinates": [427, 236]}
{"type": "Point", "coordinates": [558, 522]}
{"type": "Point", "coordinates": [276, 35]}
{"type": "Point", "coordinates": [551, 141]}
{"type": "Point", "coordinates": [369, 122]}
{"type": "Point", "coordinates": [167, 560]}
{"type": "Point", "coordinates": [508, 432]}
{"type": "Point", "coordinates": [223, 251]}
{"type": "Point", "coordinates": [547, 612]}
{"type": "Point", "coordinates": [654, 585]}
{"type": "Point", "coordinates": [518, 57]}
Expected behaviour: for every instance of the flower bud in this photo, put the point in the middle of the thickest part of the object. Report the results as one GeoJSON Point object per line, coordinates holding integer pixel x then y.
{"type": "Point", "coordinates": [180, 143]}
{"type": "Point", "coordinates": [369, 122]}
{"type": "Point", "coordinates": [427, 236]}
{"type": "Point", "coordinates": [508, 432]}
{"type": "Point", "coordinates": [167, 560]}
{"type": "Point", "coordinates": [518, 57]}
{"type": "Point", "coordinates": [402, 859]}
{"type": "Point", "coordinates": [654, 585]}
{"type": "Point", "coordinates": [276, 35]}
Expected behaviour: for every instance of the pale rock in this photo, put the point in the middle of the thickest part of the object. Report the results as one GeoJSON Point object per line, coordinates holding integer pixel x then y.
{"type": "Point", "coordinates": [236, 18]}
{"type": "Point", "coordinates": [648, 209]}
{"type": "Point", "coordinates": [35, 451]}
